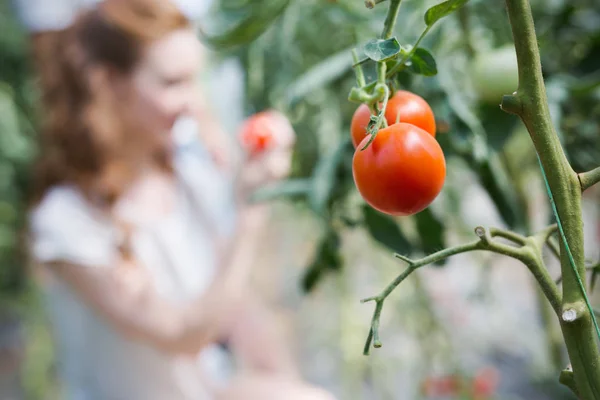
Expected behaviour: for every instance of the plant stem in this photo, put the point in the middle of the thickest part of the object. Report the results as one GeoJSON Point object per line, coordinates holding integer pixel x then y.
{"type": "Point", "coordinates": [553, 335]}
{"type": "Point", "coordinates": [390, 19]}
{"type": "Point", "coordinates": [372, 3]}
{"type": "Point", "coordinates": [529, 254]}
{"type": "Point", "coordinates": [594, 268]}
{"type": "Point", "coordinates": [589, 179]}
{"type": "Point", "coordinates": [512, 236]}
{"type": "Point", "coordinates": [383, 92]}
{"type": "Point", "coordinates": [360, 76]}
{"type": "Point", "coordinates": [553, 246]}
{"type": "Point", "coordinates": [465, 24]}
{"type": "Point", "coordinates": [531, 105]}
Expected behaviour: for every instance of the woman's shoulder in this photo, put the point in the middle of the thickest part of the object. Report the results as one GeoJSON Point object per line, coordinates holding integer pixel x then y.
{"type": "Point", "coordinates": [64, 226]}
{"type": "Point", "coordinates": [65, 209]}
{"type": "Point", "coordinates": [60, 201]}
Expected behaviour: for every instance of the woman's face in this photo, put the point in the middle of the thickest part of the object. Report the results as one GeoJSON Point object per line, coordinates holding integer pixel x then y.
{"type": "Point", "coordinates": [165, 82]}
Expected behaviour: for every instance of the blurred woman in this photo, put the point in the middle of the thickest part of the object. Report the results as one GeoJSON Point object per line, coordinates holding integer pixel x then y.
{"type": "Point", "coordinates": [145, 240]}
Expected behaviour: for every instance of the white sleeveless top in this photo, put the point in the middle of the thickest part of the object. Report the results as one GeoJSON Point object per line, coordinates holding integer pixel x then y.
{"type": "Point", "coordinates": [95, 361]}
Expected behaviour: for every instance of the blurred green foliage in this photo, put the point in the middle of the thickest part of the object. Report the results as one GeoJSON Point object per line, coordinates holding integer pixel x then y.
{"type": "Point", "coordinates": [17, 128]}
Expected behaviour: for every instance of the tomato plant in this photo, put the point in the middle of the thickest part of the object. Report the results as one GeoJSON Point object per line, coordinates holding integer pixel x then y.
{"type": "Point", "coordinates": [309, 79]}
{"type": "Point", "coordinates": [464, 96]}
{"type": "Point", "coordinates": [401, 172]}
{"type": "Point", "coordinates": [403, 106]}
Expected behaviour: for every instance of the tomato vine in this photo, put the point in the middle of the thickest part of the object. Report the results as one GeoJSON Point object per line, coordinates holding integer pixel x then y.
{"type": "Point", "coordinates": [564, 187]}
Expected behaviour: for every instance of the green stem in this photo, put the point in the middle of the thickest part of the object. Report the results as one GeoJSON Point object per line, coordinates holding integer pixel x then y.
{"type": "Point", "coordinates": [553, 335]}
{"type": "Point", "coordinates": [383, 92]}
{"type": "Point", "coordinates": [512, 236]}
{"type": "Point", "coordinates": [358, 71]}
{"type": "Point", "coordinates": [433, 258]}
{"type": "Point", "coordinates": [529, 254]}
{"type": "Point", "coordinates": [589, 179]}
{"type": "Point", "coordinates": [381, 68]}
{"type": "Point", "coordinates": [465, 24]}
{"type": "Point", "coordinates": [361, 96]}
{"type": "Point", "coordinates": [390, 19]}
{"type": "Point", "coordinates": [566, 378]}
{"type": "Point", "coordinates": [531, 105]}
{"type": "Point", "coordinates": [372, 3]}
{"type": "Point", "coordinates": [594, 268]}
{"type": "Point", "coordinates": [554, 248]}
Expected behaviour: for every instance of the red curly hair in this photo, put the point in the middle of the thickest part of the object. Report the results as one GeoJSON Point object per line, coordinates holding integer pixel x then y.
{"type": "Point", "coordinates": [84, 138]}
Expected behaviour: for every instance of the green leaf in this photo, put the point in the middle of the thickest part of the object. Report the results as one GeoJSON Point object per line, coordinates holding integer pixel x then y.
{"type": "Point", "coordinates": [462, 106]}
{"type": "Point", "coordinates": [422, 62]}
{"type": "Point", "coordinates": [13, 144]}
{"type": "Point", "coordinates": [311, 277]}
{"type": "Point", "coordinates": [386, 231]}
{"type": "Point", "coordinates": [288, 188]}
{"type": "Point", "coordinates": [327, 258]}
{"type": "Point", "coordinates": [498, 125]}
{"type": "Point", "coordinates": [259, 17]}
{"type": "Point", "coordinates": [380, 49]}
{"type": "Point", "coordinates": [324, 177]}
{"type": "Point", "coordinates": [319, 76]}
{"type": "Point", "coordinates": [441, 10]}
{"type": "Point", "coordinates": [494, 179]}
{"type": "Point", "coordinates": [431, 232]}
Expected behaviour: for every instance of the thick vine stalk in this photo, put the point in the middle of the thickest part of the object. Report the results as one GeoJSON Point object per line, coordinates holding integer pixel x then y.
{"type": "Point", "coordinates": [531, 105]}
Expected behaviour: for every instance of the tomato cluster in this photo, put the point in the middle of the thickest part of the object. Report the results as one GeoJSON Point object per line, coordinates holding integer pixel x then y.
{"type": "Point", "coordinates": [403, 169]}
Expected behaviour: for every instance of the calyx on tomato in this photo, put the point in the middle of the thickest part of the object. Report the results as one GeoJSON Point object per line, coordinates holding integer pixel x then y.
{"type": "Point", "coordinates": [404, 106]}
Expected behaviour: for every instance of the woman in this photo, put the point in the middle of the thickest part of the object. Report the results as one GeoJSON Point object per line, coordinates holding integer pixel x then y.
{"type": "Point", "coordinates": [144, 239]}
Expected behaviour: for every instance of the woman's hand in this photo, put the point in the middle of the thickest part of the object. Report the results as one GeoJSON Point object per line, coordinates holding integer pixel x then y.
{"type": "Point", "coordinates": [264, 169]}
{"type": "Point", "coordinates": [268, 140]}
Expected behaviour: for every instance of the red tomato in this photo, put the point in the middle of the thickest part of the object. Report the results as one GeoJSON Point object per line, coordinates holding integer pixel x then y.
{"type": "Point", "coordinates": [485, 383]}
{"type": "Point", "coordinates": [266, 130]}
{"type": "Point", "coordinates": [401, 172]}
{"type": "Point", "coordinates": [411, 109]}
{"type": "Point", "coordinates": [446, 386]}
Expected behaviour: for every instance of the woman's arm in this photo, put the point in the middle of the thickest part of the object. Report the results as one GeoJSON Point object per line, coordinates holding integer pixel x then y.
{"type": "Point", "coordinates": [136, 309]}
{"type": "Point", "coordinates": [259, 341]}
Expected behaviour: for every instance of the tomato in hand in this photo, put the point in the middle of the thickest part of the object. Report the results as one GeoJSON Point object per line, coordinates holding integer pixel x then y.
{"type": "Point", "coordinates": [403, 106]}
{"type": "Point", "coordinates": [266, 130]}
{"type": "Point", "coordinates": [401, 172]}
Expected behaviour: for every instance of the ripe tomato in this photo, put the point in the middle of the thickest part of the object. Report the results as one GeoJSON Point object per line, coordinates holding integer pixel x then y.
{"type": "Point", "coordinates": [266, 130]}
{"type": "Point", "coordinates": [495, 74]}
{"type": "Point", "coordinates": [485, 383]}
{"type": "Point", "coordinates": [401, 172]}
{"type": "Point", "coordinates": [445, 386]}
{"type": "Point", "coordinates": [410, 108]}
